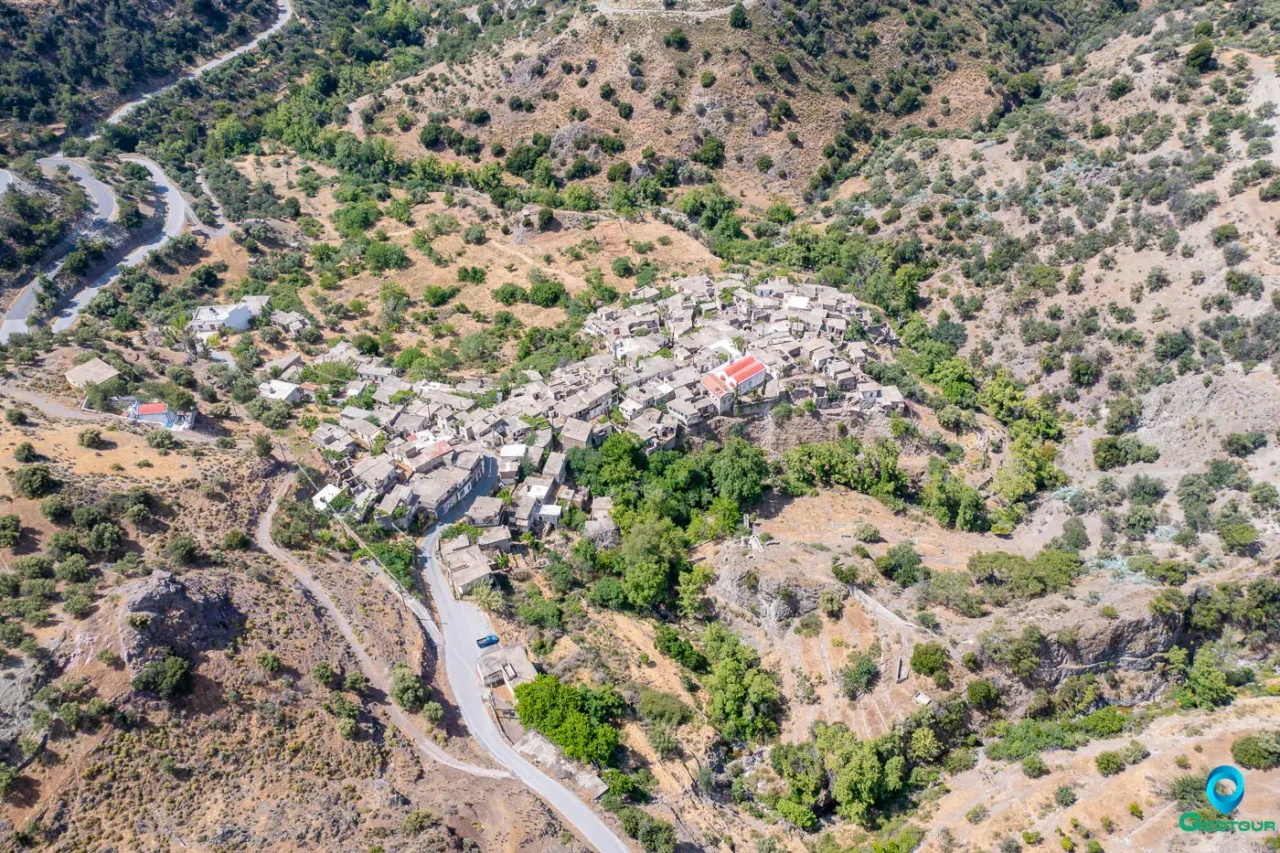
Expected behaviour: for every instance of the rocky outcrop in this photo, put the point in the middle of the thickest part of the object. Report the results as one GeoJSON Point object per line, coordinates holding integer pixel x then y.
{"type": "Point", "coordinates": [772, 600]}
{"type": "Point", "coordinates": [188, 614]}
{"type": "Point", "coordinates": [16, 692]}
{"type": "Point", "coordinates": [777, 436]}
{"type": "Point", "coordinates": [1094, 645]}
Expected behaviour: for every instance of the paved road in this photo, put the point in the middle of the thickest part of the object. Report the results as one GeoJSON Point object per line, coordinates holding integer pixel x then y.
{"type": "Point", "coordinates": [176, 214]}
{"type": "Point", "coordinates": [463, 623]}
{"type": "Point", "coordinates": [104, 201]}
{"type": "Point", "coordinates": [285, 14]}
{"type": "Point", "coordinates": [15, 320]}
{"type": "Point", "coordinates": [379, 675]}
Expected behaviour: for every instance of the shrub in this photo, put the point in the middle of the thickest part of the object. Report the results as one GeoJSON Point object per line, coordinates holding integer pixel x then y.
{"type": "Point", "coordinates": [1115, 452]}
{"type": "Point", "coordinates": [676, 39]}
{"type": "Point", "coordinates": [91, 438]}
{"type": "Point", "coordinates": [1243, 444]}
{"type": "Point", "coordinates": [1257, 751]}
{"type": "Point", "coordinates": [546, 293]}
{"type": "Point", "coordinates": [236, 540]}
{"type": "Point", "coordinates": [858, 675]}
{"type": "Point", "coordinates": [866, 532]}
{"type": "Point", "coordinates": [182, 549]}
{"type": "Point", "coordinates": [901, 564]}
{"type": "Point", "coordinates": [809, 625]}
{"type": "Point", "coordinates": [161, 439]}
{"type": "Point", "coordinates": [982, 694]}
{"type": "Point", "coordinates": [1109, 763]}
{"type": "Point", "coordinates": [25, 452]}
{"type": "Point", "coordinates": [168, 677]}
{"type": "Point", "coordinates": [1064, 796]}
{"type": "Point", "coordinates": [1200, 57]}
{"type": "Point", "coordinates": [1120, 86]}
{"type": "Point", "coordinates": [663, 742]}
{"type": "Point", "coordinates": [710, 153]}
{"type": "Point", "coordinates": [929, 659]}
{"type": "Point", "coordinates": [324, 673]}
{"type": "Point", "coordinates": [408, 690]}
{"type": "Point", "coordinates": [32, 481]}
{"type": "Point", "coordinates": [1034, 766]}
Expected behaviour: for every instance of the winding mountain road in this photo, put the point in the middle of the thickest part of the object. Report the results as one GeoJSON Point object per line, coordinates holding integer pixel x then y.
{"type": "Point", "coordinates": [176, 214]}
{"type": "Point", "coordinates": [105, 210]}
{"type": "Point", "coordinates": [104, 200]}
{"type": "Point", "coordinates": [176, 209]}
{"type": "Point", "coordinates": [284, 15]}
{"type": "Point", "coordinates": [462, 623]}
{"type": "Point", "coordinates": [379, 676]}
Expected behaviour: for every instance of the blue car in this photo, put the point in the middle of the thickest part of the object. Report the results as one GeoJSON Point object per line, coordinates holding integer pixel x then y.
{"type": "Point", "coordinates": [486, 642]}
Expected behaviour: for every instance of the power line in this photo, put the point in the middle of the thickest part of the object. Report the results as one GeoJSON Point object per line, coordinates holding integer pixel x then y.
{"type": "Point", "coordinates": [364, 546]}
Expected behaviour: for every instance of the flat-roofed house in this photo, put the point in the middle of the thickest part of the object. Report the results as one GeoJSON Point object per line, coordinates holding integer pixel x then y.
{"type": "Point", "coordinates": [278, 389]}
{"type": "Point", "coordinates": [375, 472]}
{"type": "Point", "coordinates": [577, 433]}
{"type": "Point", "coordinates": [468, 568]}
{"type": "Point", "coordinates": [509, 666]}
{"type": "Point", "coordinates": [216, 318]}
{"type": "Point", "coordinates": [95, 371]}
{"type": "Point", "coordinates": [486, 511]}
{"type": "Point", "coordinates": [331, 438]}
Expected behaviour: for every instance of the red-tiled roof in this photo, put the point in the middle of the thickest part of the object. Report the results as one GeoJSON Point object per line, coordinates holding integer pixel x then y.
{"type": "Point", "coordinates": [743, 369]}
{"type": "Point", "coordinates": [715, 385]}
{"type": "Point", "coordinates": [152, 409]}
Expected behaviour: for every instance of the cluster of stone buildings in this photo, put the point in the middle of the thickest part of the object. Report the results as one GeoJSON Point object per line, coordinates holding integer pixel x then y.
{"type": "Point", "coordinates": [703, 348]}
{"type": "Point", "coordinates": [671, 360]}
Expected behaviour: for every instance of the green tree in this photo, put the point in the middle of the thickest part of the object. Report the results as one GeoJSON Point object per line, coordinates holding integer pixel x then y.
{"type": "Point", "coordinates": [10, 530]}
{"type": "Point", "coordinates": [168, 677]}
{"type": "Point", "coordinates": [1206, 682]}
{"type": "Point", "coordinates": [182, 549]}
{"type": "Point", "coordinates": [929, 659]}
{"type": "Point", "coordinates": [408, 690]}
{"type": "Point", "coordinates": [739, 472]}
{"type": "Point", "coordinates": [649, 556]}
{"type": "Point", "coordinates": [1200, 57]}
{"type": "Point", "coordinates": [900, 564]}
{"type": "Point", "coordinates": [571, 717]}
{"type": "Point", "coordinates": [924, 746]}
{"type": "Point", "coordinates": [691, 589]}
{"type": "Point", "coordinates": [32, 481]}
{"type": "Point", "coordinates": [744, 700]}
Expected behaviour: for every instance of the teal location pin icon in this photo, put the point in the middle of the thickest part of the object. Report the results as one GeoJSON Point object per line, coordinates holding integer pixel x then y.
{"type": "Point", "coordinates": [1224, 803]}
